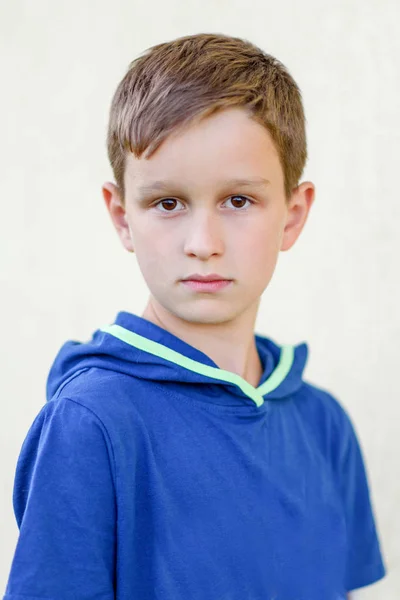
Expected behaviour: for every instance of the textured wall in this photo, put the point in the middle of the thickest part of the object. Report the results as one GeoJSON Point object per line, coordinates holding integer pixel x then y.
{"type": "Point", "coordinates": [63, 272]}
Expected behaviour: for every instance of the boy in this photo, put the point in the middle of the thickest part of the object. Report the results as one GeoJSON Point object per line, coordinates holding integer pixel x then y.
{"type": "Point", "coordinates": [180, 456]}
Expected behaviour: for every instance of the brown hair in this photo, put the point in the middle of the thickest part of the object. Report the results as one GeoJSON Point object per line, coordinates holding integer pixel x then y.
{"type": "Point", "coordinates": [189, 78]}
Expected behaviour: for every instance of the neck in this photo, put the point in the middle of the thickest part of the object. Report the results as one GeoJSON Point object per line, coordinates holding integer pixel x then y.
{"type": "Point", "coordinates": [231, 344]}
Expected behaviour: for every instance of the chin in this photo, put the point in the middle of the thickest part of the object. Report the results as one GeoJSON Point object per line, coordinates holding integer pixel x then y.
{"type": "Point", "coordinates": [207, 315]}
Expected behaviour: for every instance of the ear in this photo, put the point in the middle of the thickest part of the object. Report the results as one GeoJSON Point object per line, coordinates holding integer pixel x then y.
{"type": "Point", "coordinates": [298, 209]}
{"type": "Point", "coordinates": [115, 207]}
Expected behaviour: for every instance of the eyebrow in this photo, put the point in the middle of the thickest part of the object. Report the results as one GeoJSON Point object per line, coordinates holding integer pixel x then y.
{"type": "Point", "coordinates": [165, 185]}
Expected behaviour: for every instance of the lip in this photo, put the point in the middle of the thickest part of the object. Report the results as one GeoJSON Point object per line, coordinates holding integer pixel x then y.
{"type": "Point", "coordinates": [205, 278]}
{"type": "Point", "coordinates": [206, 286]}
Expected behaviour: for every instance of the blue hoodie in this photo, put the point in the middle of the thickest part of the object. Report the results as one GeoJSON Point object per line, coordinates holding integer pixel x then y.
{"type": "Point", "coordinates": [152, 474]}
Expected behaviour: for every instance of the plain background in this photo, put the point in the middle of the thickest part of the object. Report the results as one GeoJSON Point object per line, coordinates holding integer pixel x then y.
{"type": "Point", "coordinates": [64, 272]}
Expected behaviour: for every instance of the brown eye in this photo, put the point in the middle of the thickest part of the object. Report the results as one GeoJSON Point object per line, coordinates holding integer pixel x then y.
{"type": "Point", "coordinates": [234, 200]}
{"type": "Point", "coordinates": [169, 204]}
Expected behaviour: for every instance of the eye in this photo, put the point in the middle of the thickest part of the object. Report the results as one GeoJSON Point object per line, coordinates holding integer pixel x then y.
{"type": "Point", "coordinates": [169, 203]}
{"type": "Point", "coordinates": [243, 198]}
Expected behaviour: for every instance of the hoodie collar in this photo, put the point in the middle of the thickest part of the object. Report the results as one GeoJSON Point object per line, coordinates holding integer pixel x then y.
{"type": "Point", "coordinates": [278, 362]}
{"type": "Point", "coordinates": [138, 347]}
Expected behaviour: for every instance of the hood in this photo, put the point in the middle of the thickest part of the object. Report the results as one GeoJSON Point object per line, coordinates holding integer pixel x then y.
{"type": "Point", "coordinates": [134, 346]}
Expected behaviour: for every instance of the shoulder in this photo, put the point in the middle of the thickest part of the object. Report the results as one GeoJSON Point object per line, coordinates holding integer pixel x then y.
{"type": "Point", "coordinates": [329, 419]}
{"type": "Point", "coordinates": [321, 404]}
{"type": "Point", "coordinates": [67, 422]}
{"type": "Point", "coordinates": [113, 402]}
{"type": "Point", "coordinates": [107, 394]}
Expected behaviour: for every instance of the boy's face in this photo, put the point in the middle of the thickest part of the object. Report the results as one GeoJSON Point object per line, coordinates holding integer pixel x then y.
{"type": "Point", "coordinates": [207, 224]}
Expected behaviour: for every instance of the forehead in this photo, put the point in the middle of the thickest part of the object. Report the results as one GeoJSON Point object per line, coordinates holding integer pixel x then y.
{"type": "Point", "coordinates": [227, 145]}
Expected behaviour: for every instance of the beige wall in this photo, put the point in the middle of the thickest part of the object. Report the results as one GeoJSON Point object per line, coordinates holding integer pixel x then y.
{"type": "Point", "coordinates": [63, 272]}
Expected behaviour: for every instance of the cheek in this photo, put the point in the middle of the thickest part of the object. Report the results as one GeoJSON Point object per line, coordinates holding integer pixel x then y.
{"type": "Point", "coordinates": [149, 241]}
{"type": "Point", "coordinates": [257, 254]}
{"type": "Point", "coordinates": [156, 237]}
{"type": "Point", "coordinates": [155, 257]}
{"type": "Point", "coordinates": [261, 245]}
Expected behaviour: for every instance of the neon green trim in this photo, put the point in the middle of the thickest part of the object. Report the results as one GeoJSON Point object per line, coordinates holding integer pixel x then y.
{"type": "Point", "coordinates": [256, 394]}
{"type": "Point", "coordinates": [281, 371]}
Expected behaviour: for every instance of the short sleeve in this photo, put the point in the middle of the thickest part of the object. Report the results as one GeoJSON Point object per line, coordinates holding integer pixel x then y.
{"type": "Point", "coordinates": [64, 504]}
{"type": "Point", "coordinates": [364, 560]}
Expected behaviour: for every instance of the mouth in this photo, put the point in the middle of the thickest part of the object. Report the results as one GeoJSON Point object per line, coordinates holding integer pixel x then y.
{"type": "Point", "coordinates": [206, 278]}
{"type": "Point", "coordinates": [213, 285]}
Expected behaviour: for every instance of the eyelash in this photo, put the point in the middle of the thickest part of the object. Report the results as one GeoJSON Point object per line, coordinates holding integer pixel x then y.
{"type": "Point", "coordinates": [159, 203]}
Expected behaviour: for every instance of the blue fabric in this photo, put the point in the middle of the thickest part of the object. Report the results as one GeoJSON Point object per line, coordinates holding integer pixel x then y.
{"type": "Point", "coordinates": [141, 480]}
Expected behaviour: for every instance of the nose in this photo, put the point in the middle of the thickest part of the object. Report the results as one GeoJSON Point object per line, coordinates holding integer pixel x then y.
{"type": "Point", "coordinates": [204, 237]}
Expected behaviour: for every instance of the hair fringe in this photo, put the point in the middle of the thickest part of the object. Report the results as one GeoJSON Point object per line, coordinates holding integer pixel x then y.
{"type": "Point", "coordinates": [188, 79]}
